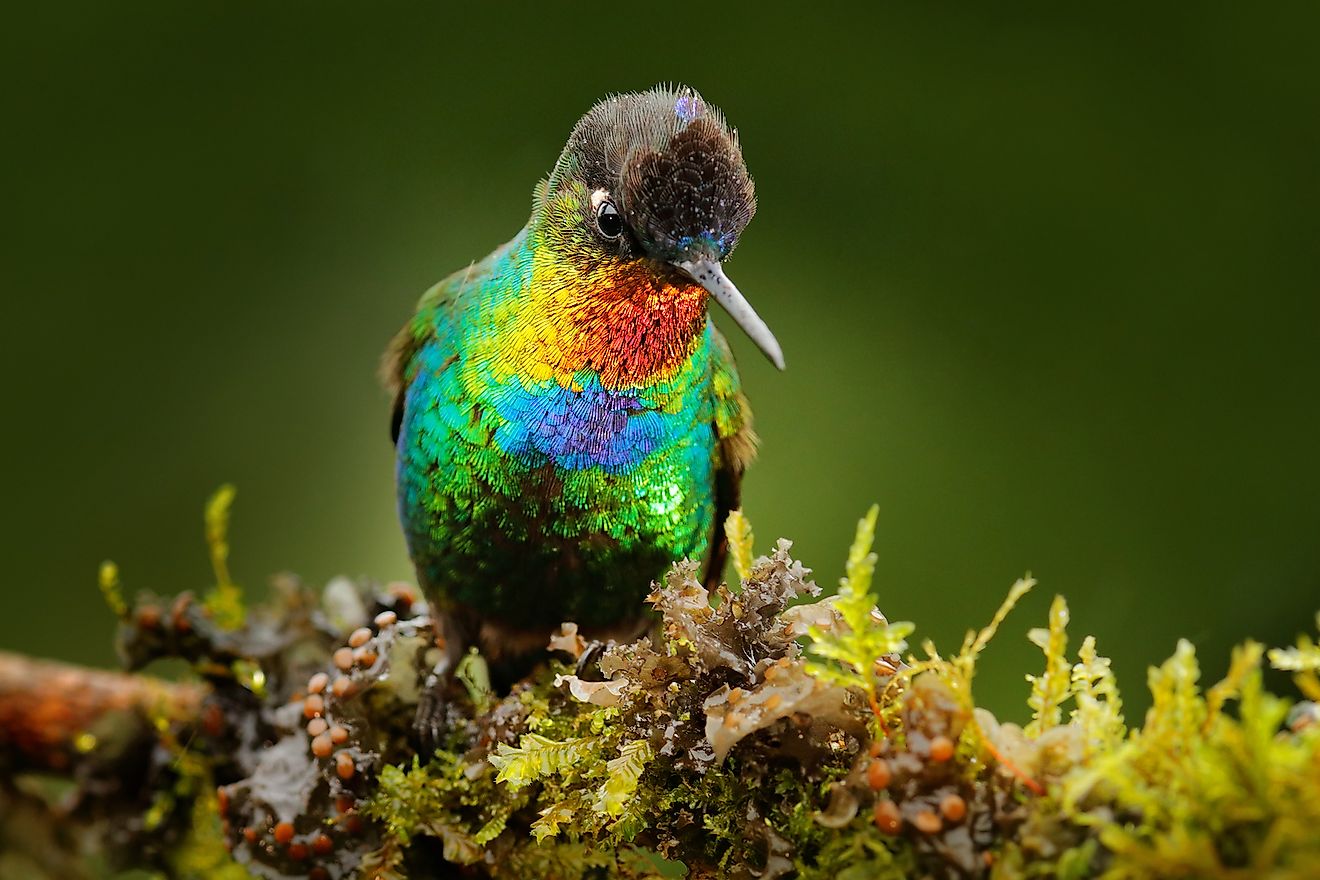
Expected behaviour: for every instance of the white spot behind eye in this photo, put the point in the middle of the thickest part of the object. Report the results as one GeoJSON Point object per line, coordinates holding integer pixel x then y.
{"type": "Point", "coordinates": [598, 198]}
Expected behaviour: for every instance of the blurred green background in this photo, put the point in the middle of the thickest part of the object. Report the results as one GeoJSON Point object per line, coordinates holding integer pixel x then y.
{"type": "Point", "coordinates": [1046, 282]}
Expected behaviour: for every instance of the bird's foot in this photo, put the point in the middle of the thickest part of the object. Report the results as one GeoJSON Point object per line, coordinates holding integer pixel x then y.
{"type": "Point", "coordinates": [432, 721]}
{"type": "Point", "coordinates": [587, 660]}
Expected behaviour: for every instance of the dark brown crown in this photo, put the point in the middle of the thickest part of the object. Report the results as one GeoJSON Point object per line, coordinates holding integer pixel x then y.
{"type": "Point", "coordinates": [674, 168]}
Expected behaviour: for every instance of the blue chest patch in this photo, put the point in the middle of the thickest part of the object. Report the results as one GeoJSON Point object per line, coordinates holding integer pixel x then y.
{"type": "Point", "coordinates": [593, 427]}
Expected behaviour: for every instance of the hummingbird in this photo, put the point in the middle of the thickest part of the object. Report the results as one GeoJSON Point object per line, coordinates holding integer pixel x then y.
{"type": "Point", "coordinates": [568, 422]}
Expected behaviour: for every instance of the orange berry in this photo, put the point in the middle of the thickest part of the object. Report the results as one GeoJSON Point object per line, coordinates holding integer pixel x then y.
{"type": "Point", "coordinates": [364, 657]}
{"type": "Point", "coordinates": [342, 687]}
{"type": "Point", "coordinates": [343, 658]}
{"type": "Point", "coordinates": [941, 749]}
{"type": "Point", "coordinates": [313, 706]}
{"type": "Point", "coordinates": [878, 774]}
{"type": "Point", "coordinates": [321, 746]}
{"type": "Point", "coordinates": [345, 766]}
{"type": "Point", "coordinates": [251, 835]}
{"type": "Point", "coordinates": [338, 735]}
{"type": "Point", "coordinates": [386, 618]}
{"type": "Point", "coordinates": [148, 616]}
{"type": "Point", "coordinates": [298, 851]}
{"type": "Point", "coordinates": [178, 611]}
{"type": "Point", "coordinates": [887, 817]}
{"type": "Point", "coordinates": [359, 637]}
{"type": "Point", "coordinates": [316, 726]}
{"type": "Point", "coordinates": [953, 807]}
{"type": "Point", "coordinates": [317, 683]}
{"type": "Point", "coordinates": [927, 822]}
{"type": "Point", "coordinates": [283, 832]}
{"type": "Point", "coordinates": [323, 845]}
{"type": "Point", "coordinates": [404, 594]}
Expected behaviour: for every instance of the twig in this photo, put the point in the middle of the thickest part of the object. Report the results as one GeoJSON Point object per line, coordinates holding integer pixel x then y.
{"type": "Point", "coordinates": [54, 715]}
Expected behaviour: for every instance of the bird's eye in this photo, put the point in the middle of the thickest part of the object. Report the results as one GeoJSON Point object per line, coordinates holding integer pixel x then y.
{"type": "Point", "coordinates": [608, 220]}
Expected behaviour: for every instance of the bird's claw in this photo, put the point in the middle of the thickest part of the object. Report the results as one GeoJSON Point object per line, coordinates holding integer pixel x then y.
{"type": "Point", "coordinates": [589, 657]}
{"type": "Point", "coordinates": [430, 723]}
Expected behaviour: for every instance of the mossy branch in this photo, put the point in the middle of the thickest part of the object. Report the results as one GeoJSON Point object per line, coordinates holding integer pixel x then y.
{"type": "Point", "coordinates": [761, 731]}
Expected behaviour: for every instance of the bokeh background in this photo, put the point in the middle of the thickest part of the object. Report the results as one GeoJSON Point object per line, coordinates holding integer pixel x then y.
{"type": "Point", "coordinates": [1046, 282]}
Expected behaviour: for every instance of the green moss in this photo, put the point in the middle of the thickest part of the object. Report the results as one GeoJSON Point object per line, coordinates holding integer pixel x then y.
{"type": "Point", "coordinates": [846, 654]}
{"type": "Point", "coordinates": [112, 590]}
{"type": "Point", "coordinates": [1303, 661]}
{"type": "Point", "coordinates": [1050, 689]}
{"type": "Point", "coordinates": [225, 599]}
{"type": "Point", "coordinates": [202, 854]}
{"type": "Point", "coordinates": [1199, 791]}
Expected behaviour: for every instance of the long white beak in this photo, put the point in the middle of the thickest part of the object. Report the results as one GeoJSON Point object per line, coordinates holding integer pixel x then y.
{"type": "Point", "coordinates": [710, 275]}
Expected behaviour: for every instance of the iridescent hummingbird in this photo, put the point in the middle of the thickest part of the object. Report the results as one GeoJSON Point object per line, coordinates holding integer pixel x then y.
{"type": "Point", "coordinates": [568, 421]}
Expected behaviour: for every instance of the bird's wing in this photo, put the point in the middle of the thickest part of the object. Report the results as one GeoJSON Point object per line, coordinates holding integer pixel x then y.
{"type": "Point", "coordinates": [435, 319]}
{"type": "Point", "coordinates": [737, 447]}
{"type": "Point", "coordinates": [395, 364]}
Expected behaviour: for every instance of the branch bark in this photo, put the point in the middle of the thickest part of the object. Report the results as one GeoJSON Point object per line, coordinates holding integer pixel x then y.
{"type": "Point", "coordinates": [57, 717]}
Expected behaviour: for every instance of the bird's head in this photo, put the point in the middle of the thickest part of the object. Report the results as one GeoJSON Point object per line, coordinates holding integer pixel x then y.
{"type": "Point", "coordinates": [653, 185]}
